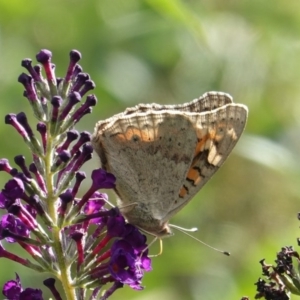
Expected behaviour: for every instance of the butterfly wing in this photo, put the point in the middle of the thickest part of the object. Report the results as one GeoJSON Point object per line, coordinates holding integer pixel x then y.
{"type": "Point", "coordinates": [207, 102]}
{"type": "Point", "coordinates": [162, 155]}
{"type": "Point", "coordinates": [150, 154]}
{"type": "Point", "coordinates": [217, 133]}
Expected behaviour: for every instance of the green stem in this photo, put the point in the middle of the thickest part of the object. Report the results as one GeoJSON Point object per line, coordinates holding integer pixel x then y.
{"type": "Point", "coordinates": [63, 267]}
{"type": "Point", "coordinates": [65, 278]}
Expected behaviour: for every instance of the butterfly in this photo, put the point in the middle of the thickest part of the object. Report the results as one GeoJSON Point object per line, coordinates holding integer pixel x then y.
{"type": "Point", "coordinates": [162, 155]}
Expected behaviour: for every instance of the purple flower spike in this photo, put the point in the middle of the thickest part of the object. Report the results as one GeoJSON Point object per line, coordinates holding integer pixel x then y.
{"type": "Point", "coordinates": [62, 232]}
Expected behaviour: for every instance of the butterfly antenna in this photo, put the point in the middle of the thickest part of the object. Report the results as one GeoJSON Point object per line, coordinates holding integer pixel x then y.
{"type": "Point", "coordinates": [185, 231]}
{"type": "Point", "coordinates": [109, 203]}
{"type": "Point", "coordinates": [127, 205]}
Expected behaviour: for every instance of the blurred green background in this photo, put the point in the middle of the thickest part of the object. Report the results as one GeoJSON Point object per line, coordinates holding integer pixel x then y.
{"type": "Point", "coordinates": [172, 51]}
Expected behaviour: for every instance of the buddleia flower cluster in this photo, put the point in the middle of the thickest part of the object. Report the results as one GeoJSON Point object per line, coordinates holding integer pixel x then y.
{"type": "Point", "coordinates": [280, 280]}
{"type": "Point", "coordinates": [79, 241]}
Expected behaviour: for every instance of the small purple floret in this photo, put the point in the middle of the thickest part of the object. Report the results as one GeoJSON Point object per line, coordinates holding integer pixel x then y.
{"type": "Point", "coordinates": [103, 180]}
{"type": "Point", "coordinates": [13, 290]}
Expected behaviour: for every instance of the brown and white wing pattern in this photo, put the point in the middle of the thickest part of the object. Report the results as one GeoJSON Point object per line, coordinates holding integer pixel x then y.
{"type": "Point", "coordinates": [162, 155]}
{"type": "Point", "coordinates": [149, 153]}
{"type": "Point", "coordinates": [217, 133]}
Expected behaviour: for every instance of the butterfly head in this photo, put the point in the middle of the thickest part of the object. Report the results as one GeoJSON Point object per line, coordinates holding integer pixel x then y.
{"type": "Point", "coordinates": [140, 216]}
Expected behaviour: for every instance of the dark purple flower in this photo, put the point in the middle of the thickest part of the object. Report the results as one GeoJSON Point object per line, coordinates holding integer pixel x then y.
{"type": "Point", "coordinates": [122, 265]}
{"type": "Point", "coordinates": [31, 294]}
{"type": "Point", "coordinates": [96, 203]}
{"type": "Point", "coordinates": [135, 238]}
{"type": "Point", "coordinates": [10, 223]}
{"type": "Point", "coordinates": [3, 201]}
{"type": "Point", "coordinates": [13, 290]}
{"type": "Point", "coordinates": [13, 189]}
{"type": "Point", "coordinates": [103, 180]}
{"type": "Point", "coordinates": [115, 226]}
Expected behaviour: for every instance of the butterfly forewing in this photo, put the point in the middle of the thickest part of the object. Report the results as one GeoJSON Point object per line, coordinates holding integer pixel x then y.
{"type": "Point", "coordinates": [217, 133]}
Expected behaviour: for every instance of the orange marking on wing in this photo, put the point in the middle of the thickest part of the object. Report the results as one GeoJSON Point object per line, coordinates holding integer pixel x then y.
{"type": "Point", "coordinates": [134, 133]}
{"type": "Point", "coordinates": [202, 141]}
{"type": "Point", "coordinates": [183, 191]}
{"type": "Point", "coordinates": [194, 175]}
